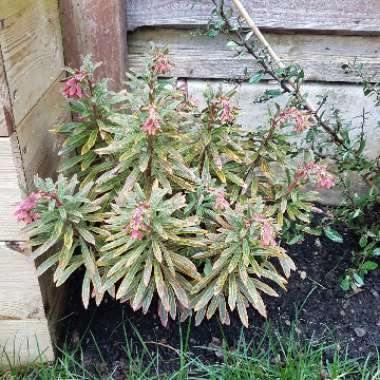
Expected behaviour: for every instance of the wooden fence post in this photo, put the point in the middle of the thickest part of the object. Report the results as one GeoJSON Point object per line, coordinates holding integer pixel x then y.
{"type": "Point", "coordinates": [96, 27]}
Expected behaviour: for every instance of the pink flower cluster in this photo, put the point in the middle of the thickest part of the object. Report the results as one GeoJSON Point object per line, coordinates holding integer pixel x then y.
{"type": "Point", "coordinates": [137, 225]}
{"type": "Point", "coordinates": [161, 63]}
{"type": "Point", "coordinates": [323, 177]}
{"type": "Point", "coordinates": [25, 209]}
{"type": "Point", "coordinates": [152, 123]}
{"type": "Point", "coordinates": [24, 212]}
{"type": "Point", "coordinates": [300, 118]}
{"type": "Point", "coordinates": [221, 202]}
{"type": "Point", "coordinates": [72, 88]}
{"type": "Point", "coordinates": [267, 233]}
{"type": "Point", "coordinates": [228, 114]}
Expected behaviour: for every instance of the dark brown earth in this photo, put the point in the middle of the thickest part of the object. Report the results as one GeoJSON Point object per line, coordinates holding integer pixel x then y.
{"type": "Point", "coordinates": [325, 313]}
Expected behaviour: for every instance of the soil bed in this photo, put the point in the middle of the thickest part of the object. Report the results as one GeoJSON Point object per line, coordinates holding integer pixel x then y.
{"type": "Point", "coordinates": [327, 314]}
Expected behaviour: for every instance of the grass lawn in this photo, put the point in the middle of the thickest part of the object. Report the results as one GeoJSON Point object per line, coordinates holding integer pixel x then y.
{"type": "Point", "coordinates": [275, 357]}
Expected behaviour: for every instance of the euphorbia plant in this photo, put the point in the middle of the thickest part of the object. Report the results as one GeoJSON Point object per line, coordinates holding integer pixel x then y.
{"type": "Point", "coordinates": [172, 199]}
{"type": "Point", "coordinates": [60, 217]}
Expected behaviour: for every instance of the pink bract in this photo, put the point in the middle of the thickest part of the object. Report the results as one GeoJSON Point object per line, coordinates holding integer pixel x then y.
{"type": "Point", "coordinates": [152, 123]}
{"type": "Point", "coordinates": [161, 64]}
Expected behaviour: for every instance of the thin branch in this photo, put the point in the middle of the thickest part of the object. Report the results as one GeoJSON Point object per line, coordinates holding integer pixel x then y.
{"type": "Point", "coordinates": [287, 85]}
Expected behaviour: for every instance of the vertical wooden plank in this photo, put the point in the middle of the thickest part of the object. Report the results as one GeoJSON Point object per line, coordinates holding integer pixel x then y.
{"type": "Point", "coordinates": [6, 113]}
{"type": "Point", "coordinates": [10, 193]}
{"type": "Point", "coordinates": [96, 27]}
{"type": "Point", "coordinates": [31, 46]}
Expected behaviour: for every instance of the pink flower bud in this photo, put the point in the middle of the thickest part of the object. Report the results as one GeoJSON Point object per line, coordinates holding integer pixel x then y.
{"type": "Point", "coordinates": [72, 88]}
{"type": "Point", "coordinates": [228, 114]}
{"type": "Point", "coordinates": [221, 202]}
{"type": "Point", "coordinates": [300, 118]}
{"type": "Point", "coordinates": [137, 226]}
{"type": "Point", "coordinates": [161, 63]}
{"type": "Point", "coordinates": [136, 234]}
{"type": "Point", "coordinates": [152, 123]}
{"type": "Point", "coordinates": [319, 172]}
{"type": "Point", "coordinates": [24, 212]}
{"type": "Point", "coordinates": [267, 233]}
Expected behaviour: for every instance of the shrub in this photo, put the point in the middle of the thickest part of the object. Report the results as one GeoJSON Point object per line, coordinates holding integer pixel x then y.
{"type": "Point", "coordinates": [331, 139]}
{"type": "Point", "coordinates": [171, 198]}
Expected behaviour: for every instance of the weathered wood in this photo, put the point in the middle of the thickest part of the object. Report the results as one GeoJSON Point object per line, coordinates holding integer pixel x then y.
{"type": "Point", "coordinates": [196, 56]}
{"type": "Point", "coordinates": [20, 295]}
{"type": "Point", "coordinates": [347, 97]}
{"type": "Point", "coordinates": [345, 16]}
{"type": "Point", "coordinates": [24, 331]}
{"type": "Point", "coordinates": [31, 46]}
{"type": "Point", "coordinates": [10, 192]}
{"type": "Point", "coordinates": [38, 145]}
{"type": "Point", "coordinates": [24, 341]}
{"type": "Point", "coordinates": [96, 27]}
{"type": "Point", "coordinates": [6, 112]}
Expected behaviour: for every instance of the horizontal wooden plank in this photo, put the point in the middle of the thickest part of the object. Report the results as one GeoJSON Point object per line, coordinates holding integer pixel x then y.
{"type": "Point", "coordinates": [344, 16]}
{"type": "Point", "coordinates": [349, 99]}
{"type": "Point", "coordinates": [10, 192]}
{"type": "Point", "coordinates": [197, 56]}
{"type": "Point", "coordinates": [38, 146]}
{"type": "Point", "coordinates": [31, 46]}
{"type": "Point", "coordinates": [20, 295]}
{"type": "Point", "coordinates": [23, 342]}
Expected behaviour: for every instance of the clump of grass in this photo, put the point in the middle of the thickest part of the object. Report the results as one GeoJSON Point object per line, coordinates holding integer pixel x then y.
{"type": "Point", "coordinates": [276, 356]}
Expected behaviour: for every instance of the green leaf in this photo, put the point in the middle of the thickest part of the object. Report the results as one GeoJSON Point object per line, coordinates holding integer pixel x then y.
{"type": "Point", "coordinates": [376, 252]}
{"type": "Point", "coordinates": [358, 280]}
{"type": "Point", "coordinates": [47, 264]}
{"type": "Point", "coordinates": [345, 284]}
{"type": "Point", "coordinates": [363, 241]}
{"type": "Point", "coordinates": [88, 257]}
{"type": "Point", "coordinates": [50, 242]}
{"type": "Point", "coordinates": [68, 237]}
{"type": "Point", "coordinates": [256, 78]}
{"type": "Point", "coordinates": [90, 142]}
{"type": "Point", "coordinates": [86, 235]}
{"type": "Point", "coordinates": [369, 265]}
{"type": "Point", "coordinates": [333, 235]}
{"type": "Point", "coordinates": [161, 287]}
{"type": "Point", "coordinates": [86, 289]}
{"type": "Point", "coordinates": [232, 292]}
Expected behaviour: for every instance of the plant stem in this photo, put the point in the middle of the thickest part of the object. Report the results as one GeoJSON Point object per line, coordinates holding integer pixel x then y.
{"type": "Point", "coordinates": [210, 120]}
{"type": "Point", "coordinates": [287, 85]}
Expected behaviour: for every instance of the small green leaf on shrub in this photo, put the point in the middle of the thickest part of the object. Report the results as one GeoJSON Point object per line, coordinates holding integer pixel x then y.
{"type": "Point", "coordinates": [358, 280]}
{"type": "Point", "coordinates": [295, 239]}
{"type": "Point", "coordinates": [369, 265]}
{"type": "Point", "coordinates": [256, 78]}
{"type": "Point", "coordinates": [363, 241]}
{"type": "Point", "coordinates": [333, 235]}
{"type": "Point", "coordinates": [376, 252]}
{"type": "Point", "coordinates": [345, 284]}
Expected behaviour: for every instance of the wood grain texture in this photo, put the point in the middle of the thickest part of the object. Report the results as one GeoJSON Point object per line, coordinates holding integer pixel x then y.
{"type": "Point", "coordinates": [31, 46]}
{"type": "Point", "coordinates": [38, 146]}
{"type": "Point", "coordinates": [96, 27]}
{"type": "Point", "coordinates": [348, 97]}
{"type": "Point", "coordinates": [24, 341]}
{"type": "Point", "coordinates": [197, 56]}
{"type": "Point", "coordinates": [6, 112]}
{"type": "Point", "coordinates": [20, 295]}
{"type": "Point", "coordinates": [10, 192]}
{"type": "Point", "coordinates": [339, 16]}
